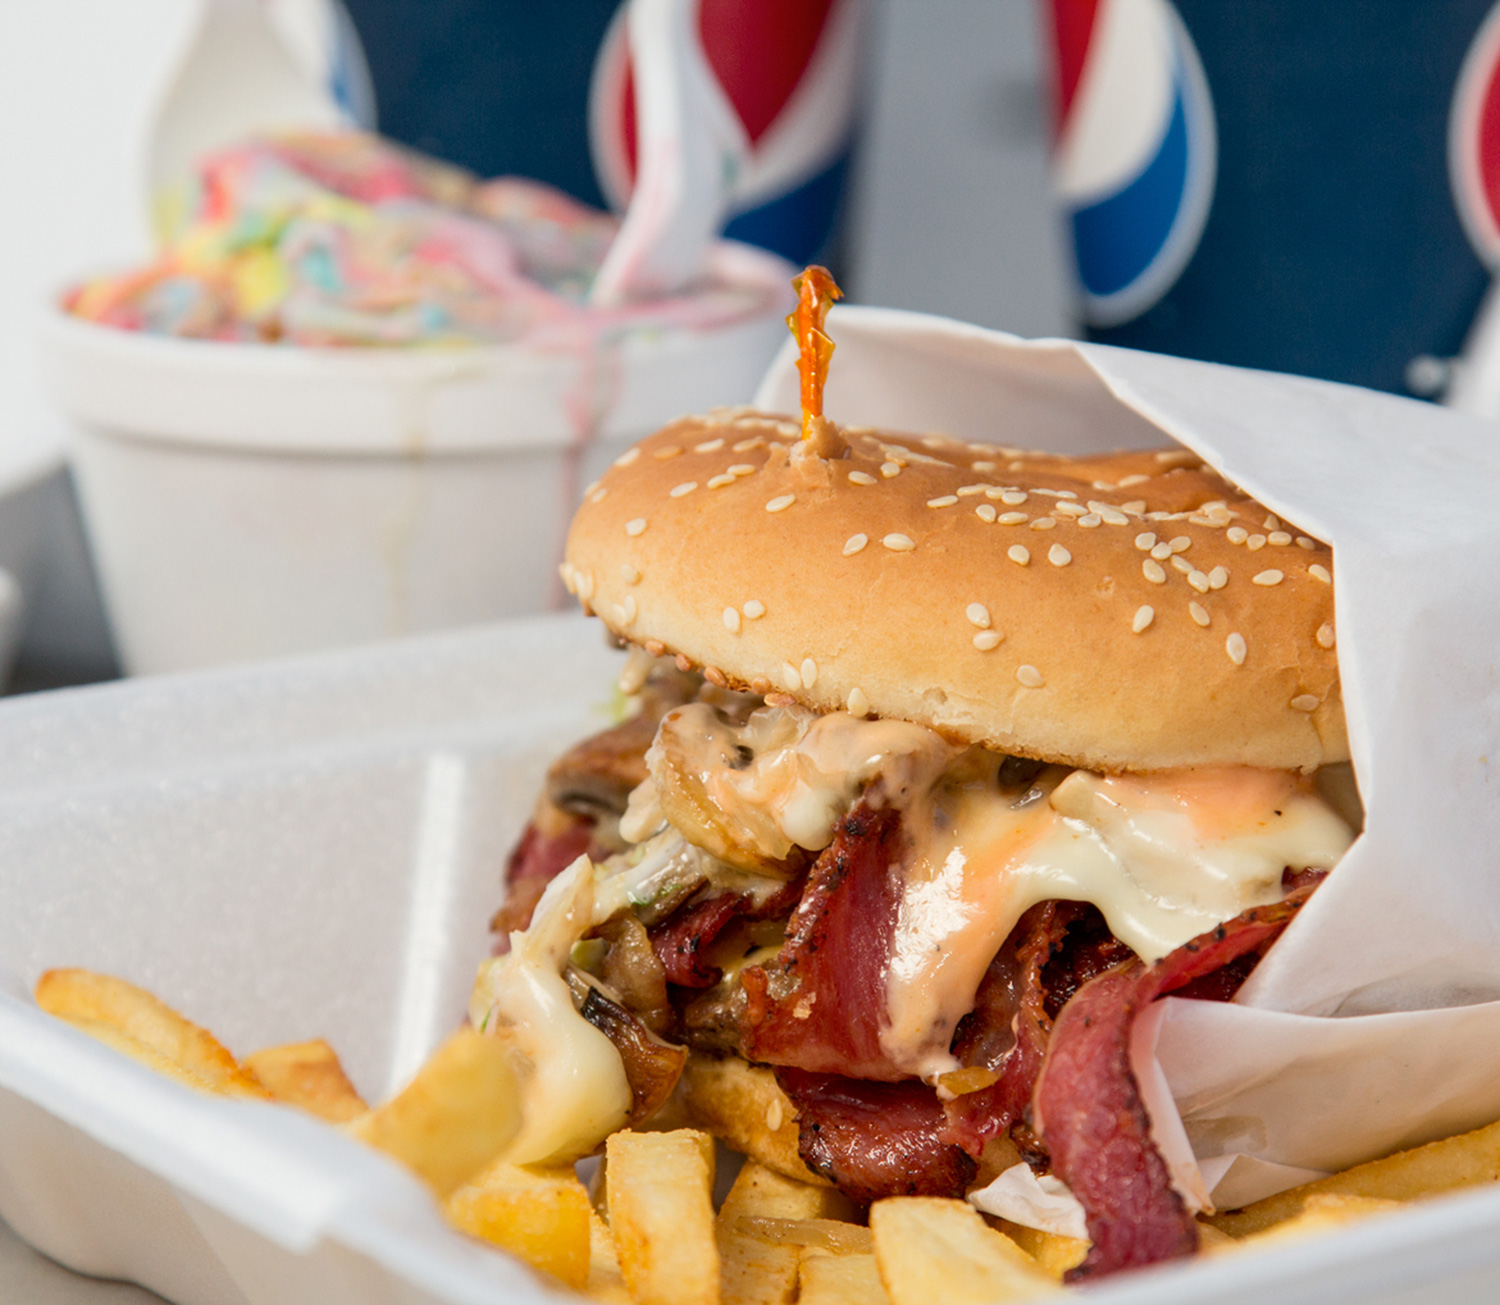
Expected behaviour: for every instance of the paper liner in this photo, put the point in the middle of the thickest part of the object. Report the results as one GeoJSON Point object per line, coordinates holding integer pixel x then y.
{"type": "Point", "coordinates": [1284, 1082]}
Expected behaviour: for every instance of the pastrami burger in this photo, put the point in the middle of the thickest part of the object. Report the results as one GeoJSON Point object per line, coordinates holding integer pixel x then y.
{"type": "Point", "coordinates": [947, 760]}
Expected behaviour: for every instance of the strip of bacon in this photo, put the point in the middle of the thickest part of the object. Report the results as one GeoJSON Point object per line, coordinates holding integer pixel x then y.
{"type": "Point", "coordinates": [1088, 1107]}
{"type": "Point", "coordinates": [537, 860]}
{"type": "Point", "coordinates": [820, 1005]}
{"type": "Point", "coordinates": [873, 1140]}
{"type": "Point", "coordinates": [681, 941]}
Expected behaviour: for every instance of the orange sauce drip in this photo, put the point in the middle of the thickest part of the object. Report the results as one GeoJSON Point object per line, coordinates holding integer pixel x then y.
{"type": "Point", "coordinates": [816, 291]}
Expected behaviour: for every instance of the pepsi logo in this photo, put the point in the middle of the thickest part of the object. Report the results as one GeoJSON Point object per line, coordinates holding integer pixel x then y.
{"type": "Point", "coordinates": [1136, 150]}
{"type": "Point", "coordinates": [791, 70]}
{"type": "Point", "coordinates": [1474, 141]}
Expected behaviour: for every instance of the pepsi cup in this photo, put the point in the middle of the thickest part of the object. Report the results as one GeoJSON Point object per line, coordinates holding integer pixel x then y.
{"type": "Point", "coordinates": [546, 91]}
{"type": "Point", "coordinates": [1309, 186]}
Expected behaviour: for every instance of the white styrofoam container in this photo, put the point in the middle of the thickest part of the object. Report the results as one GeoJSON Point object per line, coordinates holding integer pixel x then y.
{"type": "Point", "coordinates": [312, 848]}
{"type": "Point", "coordinates": [247, 501]}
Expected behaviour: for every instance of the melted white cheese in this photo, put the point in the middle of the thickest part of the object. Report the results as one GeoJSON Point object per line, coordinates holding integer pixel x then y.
{"type": "Point", "coordinates": [1164, 857]}
{"type": "Point", "coordinates": [576, 1091]}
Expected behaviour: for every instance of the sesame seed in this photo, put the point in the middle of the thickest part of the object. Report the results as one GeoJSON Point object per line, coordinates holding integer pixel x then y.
{"type": "Point", "coordinates": [598, 496]}
{"type": "Point", "coordinates": [1304, 542]}
{"type": "Point", "coordinates": [1278, 539]}
{"type": "Point", "coordinates": [744, 446]}
{"type": "Point", "coordinates": [1272, 522]}
{"type": "Point", "coordinates": [1043, 523]}
{"type": "Point", "coordinates": [585, 584]}
{"type": "Point", "coordinates": [718, 482]}
{"type": "Point", "coordinates": [781, 502]}
{"type": "Point", "coordinates": [684, 662]}
{"type": "Point", "coordinates": [655, 647]}
{"type": "Point", "coordinates": [740, 469]}
{"type": "Point", "coordinates": [629, 574]}
{"type": "Point", "coordinates": [1018, 554]}
{"type": "Point", "coordinates": [859, 705]}
{"type": "Point", "coordinates": [1182, 566]}
{"type": "Point", "coordinates": [754, 610]}
{"type": "Point", "coordinates": [1153, 572]}
{"type": "Point", "coordinates": [947, 500]}
{"type": "Point", "coordinates": [1181, 544]}
{"type": "Point", "coordinates": [1013, 498]}
{"type": "Point", "coordinates": [968, 491]}
{"type": "Point", "coordinates": [1136, 479]}
{"type": "Point", "coordinates": [1235, 647]}
{"type": "Point", "coordinates": [1267, 578]}
{"type": "Point", "coordinates": [626, 458]}
{"type": "Point", "coordinates": [979, 615]}
{"type": "Point", "coordinates": [898, 543]}
{"type": "Point", "coordinates": [1071, 509]}
{"type": "Point", "coordinates": [716, 677]}
{"type": "Point", "coordinates": [666, 451]}
{"type": "Point", "coordinates": [1236, 534]}
{"type": "Point", "coordinates": [635, 527]}
{"type": "Point", "coordinates": [731, 620]}
{"type": "Point", "coordinates": [1136, 505]}
{"type": "Point", "coordinates": [1198, 580]}
{"type": "Point", "coordinates": [1030, 677]}
{"type": "Point", "coordinates": [1320, 572]}
{"type": "Point", "coordinates": [985, 640]}
{"type": "Point", "coordinates": [985, 512]}
{"type": "Point", "coordinates": [854, 543]}
{"type": "Point", "coordinates": [687, 487]}
{"type": "Point", "coordinates": [809, 672]}
{"type": "Point", "coordinates": [1162, 551]}
{"type": "Point", "coordinates": [791, 677]}
{"type": "Point", "coordinates": [1304, 702]}
{"type": "Point", "coordinates": [1143, 617]}
{"type": "Point", "coordinates": [1255, 542]}
{"type": "Point", "coordinates": [1011, 518]}
{"type": "Point", "coordinates": [1090, 520]}
{"type": "Point", "coordinates": [889, 469]}
{"type": "Point", "coordinates": [780, 700]}
{"type": "Point", "coordinates": [862, 478]}
{"type": "Point", "coordinates": [1199, 613]}
{"type": "Point", "coordinates": [708, 446]}
{"type": "Point", "coordinates": [1058, 555]}
{"type": "Point", "coordinates": [627, 610]}
{"type": "Point", "coordinates": [570, 581]}
{"type": "Point", "coordinates": [1218, 577]}
{"type": "Point", "coordinates": [1324, 635]}
{"type": "Point", "coordinates": [1110, 515]}
{"type": "Point", "coordinates": [1145, 541]}
{"type": "Point", "coordinates": [984, 466]}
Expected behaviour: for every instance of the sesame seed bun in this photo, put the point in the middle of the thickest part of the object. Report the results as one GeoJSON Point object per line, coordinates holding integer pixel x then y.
{"type": "Point", "coordinates": [1127, 612]}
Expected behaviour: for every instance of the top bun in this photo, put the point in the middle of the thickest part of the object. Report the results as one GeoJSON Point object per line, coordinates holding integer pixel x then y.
{"type": "Point", "coordinates": [1127, 612]}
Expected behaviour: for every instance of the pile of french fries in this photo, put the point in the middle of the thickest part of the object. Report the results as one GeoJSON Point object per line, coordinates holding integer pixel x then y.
{"type": "Point", "coordinates": [646, 1231]}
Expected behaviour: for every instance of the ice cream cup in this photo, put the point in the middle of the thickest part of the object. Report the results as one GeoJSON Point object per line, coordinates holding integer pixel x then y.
{"type": "Point", "coordinates": [245, 500]}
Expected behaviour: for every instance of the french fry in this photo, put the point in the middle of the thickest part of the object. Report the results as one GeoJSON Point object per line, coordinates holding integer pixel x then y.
{"type": "Point", "coordinates": [95, 1002]}
{"type": "Point", "coordinates": [760, 1192]}
{"type": "Point", "coordinates": [744, 1105]}
{"type": "Point", "coordinates": [935, 1249]}
{"type": "Point", "coordinates": [660, 1191]}
{"type": "Point", "coordinates": [1445, 1166]}
{"type": "Point", "coordinates": [831, 1235]}
{"type": "Point", "coordinates": [605, 1282]}
{"type": "Point", "coordinates": [1321, 1213]}
{"type": "Point", "coordinates": [540, 1215]}
{"type": "Point", "coordinates": [307, 1075]}
{"type": "Point", "coordinates": [1054, 1253]}
{"type": "Point", "coordinates": [829, 1279]}
{"type": "Point", "coordinates": [752, 1270]}
{"type": "Point", "coordinates": [457, 1115]}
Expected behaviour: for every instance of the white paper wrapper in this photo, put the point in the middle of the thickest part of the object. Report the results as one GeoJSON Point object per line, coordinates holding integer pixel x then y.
{"type": "Point", "coordinates": [1309, 1070]}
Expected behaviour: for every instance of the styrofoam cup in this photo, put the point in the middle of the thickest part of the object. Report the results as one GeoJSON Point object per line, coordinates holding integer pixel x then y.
{"type": "Point", "coordinates": [246, 501]}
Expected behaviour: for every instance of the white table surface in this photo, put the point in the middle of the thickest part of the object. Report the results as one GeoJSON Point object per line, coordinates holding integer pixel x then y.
{"type": "Point", "coordinates": [27, 1278]}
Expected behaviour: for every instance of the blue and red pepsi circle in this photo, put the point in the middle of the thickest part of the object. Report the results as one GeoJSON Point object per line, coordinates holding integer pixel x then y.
{"type": "Point", "coordinates": [1305, 187]}
{"type": "Point", "coordinates": [791, 69]}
